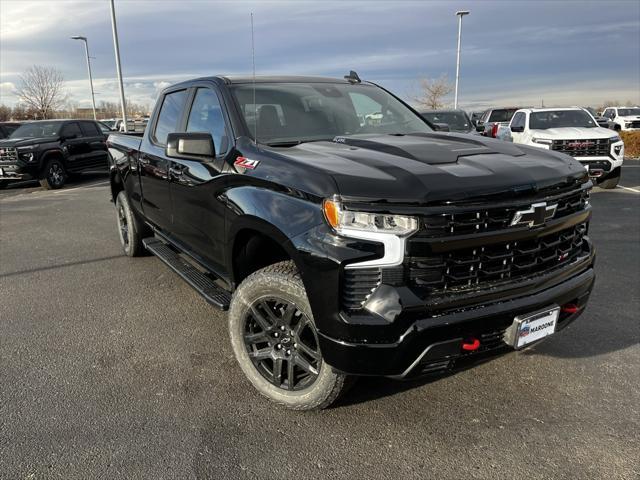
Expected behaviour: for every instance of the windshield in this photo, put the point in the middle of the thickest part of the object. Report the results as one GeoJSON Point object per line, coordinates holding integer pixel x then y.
{"type": "Point", "coordinates": [456, 120]}
{"type": "Point", "coordinates": [502, 115]}
{"type": "Point", "coordinates": [293, 113]}
{"type": "Point", "coordinates": [37, 130]}
{"type": "Point", "coordinates": [560, 119]}
{"type": "Point", "coordinates": [625, 112]}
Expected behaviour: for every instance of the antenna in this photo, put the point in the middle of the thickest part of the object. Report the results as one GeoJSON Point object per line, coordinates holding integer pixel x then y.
{"type": "Point", "coordinates": [255, 107]}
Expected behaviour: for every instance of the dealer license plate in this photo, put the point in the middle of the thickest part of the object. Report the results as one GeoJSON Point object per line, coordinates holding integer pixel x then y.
{"type": "Point", "coordinates": [532, 327]}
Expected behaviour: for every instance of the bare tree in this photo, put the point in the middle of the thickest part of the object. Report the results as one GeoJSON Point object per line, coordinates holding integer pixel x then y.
{"type": "Point", "coordinates": [40, 88]}
{"type": "Point", "coordinates": [5, 113]}
{"type": "Point", "coordinates": [433, 91]}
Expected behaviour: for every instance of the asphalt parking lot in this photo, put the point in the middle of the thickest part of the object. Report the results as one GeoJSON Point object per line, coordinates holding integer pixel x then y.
{"type": "Point", "coordinates": [112, 367]}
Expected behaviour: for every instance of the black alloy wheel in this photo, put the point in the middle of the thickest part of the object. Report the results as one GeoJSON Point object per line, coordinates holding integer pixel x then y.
{"type": "Point", "coordinates": [282, 344]}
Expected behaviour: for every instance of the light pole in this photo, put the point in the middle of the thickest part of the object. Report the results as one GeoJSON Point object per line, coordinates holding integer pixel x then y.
{"type": "Point", "coordinates": [116, 47]}
{"type": "Point", "coordinates": [86, 49]}
{"type": "Point", "coordinates": [460, 14]}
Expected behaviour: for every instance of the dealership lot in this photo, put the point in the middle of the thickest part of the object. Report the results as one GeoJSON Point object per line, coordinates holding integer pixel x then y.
{"type": "Point", "coordinates": [112, 367]}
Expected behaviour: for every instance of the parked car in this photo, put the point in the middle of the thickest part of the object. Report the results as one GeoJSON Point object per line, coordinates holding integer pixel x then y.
{"type": "Point", "coordinates": [50, 150]}
{"type": "Point", "coordinates": [494, 122]}
{"type": "Point", "coordinates": [7, 128]}
{"type": "Point", "coordinates": [624, 118]}
{"type": "Point", "coordinates": [456, 120]}
{"type": "Point", "coordinates": [575, 132]}
{"type": "Point", "coordinates": [603, 122]}
{"type": "Point", "coordinates": [343, 247]}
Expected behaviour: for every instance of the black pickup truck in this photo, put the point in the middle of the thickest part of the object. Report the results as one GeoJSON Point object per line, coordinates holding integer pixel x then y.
{"type": "Point", "coordinates": [51, 150]}
{"type": "Point", "coordinates": [345, 236]}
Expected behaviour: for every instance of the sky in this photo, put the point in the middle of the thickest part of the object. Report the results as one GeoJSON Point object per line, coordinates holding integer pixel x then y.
{"type": "Point", "coordinates": [516, 53]}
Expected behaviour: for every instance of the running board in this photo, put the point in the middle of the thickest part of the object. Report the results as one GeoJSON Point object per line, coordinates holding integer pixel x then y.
{"type": "Point", "coordinates": [202, 283]}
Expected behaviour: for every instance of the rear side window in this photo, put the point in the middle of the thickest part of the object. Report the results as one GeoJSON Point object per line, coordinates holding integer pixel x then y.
{"type": "Point", "coordinates": [502, 115]}
{"type": "Point", "coordinates": [206, 116]}
{"type": "Point", "coordinates": [71, 130]}
{"type": "Point", "coordinates": [518, 120]}
{"type": "Point", "coordinates": [89, 129]}
{"type": "Point", "coordinates": [169, 116]}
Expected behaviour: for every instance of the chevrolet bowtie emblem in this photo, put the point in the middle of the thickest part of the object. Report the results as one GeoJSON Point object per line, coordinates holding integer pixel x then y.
{"type": "Point", "coordinates": [535, 216]}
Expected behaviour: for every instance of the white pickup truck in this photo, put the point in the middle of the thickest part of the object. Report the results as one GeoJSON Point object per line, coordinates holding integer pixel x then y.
{"type": "Point", "coordinates": [624, 118]}
{"type": "Point", "coordinates": [575, 132]}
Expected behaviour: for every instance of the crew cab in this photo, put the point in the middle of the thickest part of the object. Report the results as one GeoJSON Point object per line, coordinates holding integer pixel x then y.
{"type": "Point", "coordinates": [625, 119]}
{"type": "Point", "coordinates": [575, 132]}
{"type": "Point", "coordinates": [345, 247]}
{"type": "Point", "coordinates": [494, 122]}
{"type": "Point", "coordinates": [51, 150]}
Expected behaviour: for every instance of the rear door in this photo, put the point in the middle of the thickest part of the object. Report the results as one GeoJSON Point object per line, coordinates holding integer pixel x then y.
{"type": "Point", "coordinates": [96, 146]}
{"type": "Point", "coordinates": [154, 164]}
{"type": "Point", "coordinates": [74, 145]}
{"type": "Point", "coordinates": [198, 215]}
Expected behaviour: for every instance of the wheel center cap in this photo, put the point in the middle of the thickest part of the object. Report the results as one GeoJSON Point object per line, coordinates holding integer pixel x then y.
{"type": "Point", "coordinates": [285, 340]}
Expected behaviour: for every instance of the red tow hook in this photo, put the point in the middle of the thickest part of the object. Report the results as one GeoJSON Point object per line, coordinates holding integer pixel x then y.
{"type": "Point", "coordinates": [570, 308]}
{"type": "Point", "coordinates": [471, 344]}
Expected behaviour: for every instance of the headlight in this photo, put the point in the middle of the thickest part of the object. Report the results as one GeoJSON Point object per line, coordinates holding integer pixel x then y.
{"type": "Point", "coordinates": [543, 141]}
{"type": "Point", "coordinates": [26, 156]}
{"type": "Point", "coordinates": [344, 221]}
{"type": "Point", "coordinates": [615, 139]}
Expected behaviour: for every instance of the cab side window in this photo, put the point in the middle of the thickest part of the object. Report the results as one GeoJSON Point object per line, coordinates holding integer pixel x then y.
{"type": "Point", "coordinates": [170, 114]}
{"type": "Point", "coordinates": [206, 116]}
{"type": "Point", "coordinates": [90, 129]}
{"type": "Point", "coordinates": [518, 120]}
{"type": "Point", "coordinates": [71, 130]}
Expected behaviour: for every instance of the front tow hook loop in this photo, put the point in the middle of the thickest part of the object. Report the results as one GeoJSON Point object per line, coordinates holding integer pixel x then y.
{"type": "Point", "coordinates": [471, 344]}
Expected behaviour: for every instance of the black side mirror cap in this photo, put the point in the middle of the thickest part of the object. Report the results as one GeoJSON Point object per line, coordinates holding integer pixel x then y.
{"type": "Point", "coordinates": [517, 129]}
{"type": "Point", "coordinates": [479, 128]}
{"type": "Point", "coordinates": [196, 146]}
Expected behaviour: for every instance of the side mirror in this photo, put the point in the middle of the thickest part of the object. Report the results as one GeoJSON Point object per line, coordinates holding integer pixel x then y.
{"type": "Point", "coordinates": [441, 127]}
{"type": "Point", "coordinates": [196, 146]}
{"type": "Point", "coordinates": [517, 129]}
{"type": "Point", "coordinates": [479, 128]}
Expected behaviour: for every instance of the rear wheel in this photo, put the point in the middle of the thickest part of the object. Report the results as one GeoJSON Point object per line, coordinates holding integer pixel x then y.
{"type": "Point", "coordinates": [129, 227]}
{"type": "Point", "coordinates": [275, 341]}
{"type": "Point", "coordinates": [54, 175]}
{"type": "Point", "coordinates": [610, 183]}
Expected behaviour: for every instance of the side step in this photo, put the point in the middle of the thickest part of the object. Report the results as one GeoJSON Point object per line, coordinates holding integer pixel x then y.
{"type": "Point", "coordinates": [203, 284]}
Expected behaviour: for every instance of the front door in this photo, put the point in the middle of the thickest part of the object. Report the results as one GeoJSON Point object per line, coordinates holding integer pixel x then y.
{"type": "Point", "coordinates": [74, 146]}
{"type": "Point", "coordinates": [154, 164]}
{"type": "Point", "coordinates": [198, 215]}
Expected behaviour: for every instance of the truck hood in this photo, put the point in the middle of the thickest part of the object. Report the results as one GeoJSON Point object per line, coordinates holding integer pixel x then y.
{"type": "Point", "coordinates": [629, 118]}
{"type": "Point", "coordinates": [574, 133]}
{"type": "Point", "coordinates": [425, 168]}
{"type": "Point", "coordinates": [23, 142]}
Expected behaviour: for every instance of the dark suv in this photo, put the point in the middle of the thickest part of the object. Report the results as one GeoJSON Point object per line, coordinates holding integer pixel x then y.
{"type": "Point", "coordinates": [50, 150]}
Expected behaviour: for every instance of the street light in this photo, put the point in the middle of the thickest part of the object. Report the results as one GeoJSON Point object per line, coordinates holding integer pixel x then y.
{"type": "Point", "coordinates": [116, 48]}
{"type": "Point", "coordinates": [86, 49]}
{"type": "Point", "coordinates": [460, 14]}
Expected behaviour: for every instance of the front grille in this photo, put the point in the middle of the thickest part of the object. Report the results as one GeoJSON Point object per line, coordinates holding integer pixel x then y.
{"type": "Point", "coordinates": [492, 219]}
{"type": "Point", "coordinates": [599, 147]}
{"type": "Point", "coordinates": [634, 124]}
{"type": "Point", "coordinates": [480, 267]}
{"type": "Point", "coordinates": [8, 154]}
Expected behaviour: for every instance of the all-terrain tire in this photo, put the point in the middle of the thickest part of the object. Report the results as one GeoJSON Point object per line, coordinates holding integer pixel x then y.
{"type": "Point", "coordinates": [54, 175]}
{"type": "Point", "coordinates": [130, 228]}
{"type": "Point", "coordinates": [610, 183]}
{"type": "Point", "coordinates": [280, 281]}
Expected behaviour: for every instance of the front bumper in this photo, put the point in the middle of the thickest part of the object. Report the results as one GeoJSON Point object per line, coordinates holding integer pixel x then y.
{"type": "Point", "coordinates": [435, 343]}
{"type": "Point", "coordinates": [15, 171]}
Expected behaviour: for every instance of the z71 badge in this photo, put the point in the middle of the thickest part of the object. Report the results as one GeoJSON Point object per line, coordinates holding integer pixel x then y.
{"type": "Point", "coordinates": [246, 163]}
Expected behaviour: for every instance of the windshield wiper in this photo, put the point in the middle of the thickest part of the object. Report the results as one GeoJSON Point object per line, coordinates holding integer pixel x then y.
{"type": "Point", "coordinates": [293, 143]}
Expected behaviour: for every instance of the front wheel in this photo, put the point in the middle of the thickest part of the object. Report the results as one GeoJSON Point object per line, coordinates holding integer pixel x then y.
{"type": "Point", "coordinates": [610, 183]}
{"type": "Point", "coordinates": [275, 341]}
{"type": "Point", "coordinates": [54, 175]}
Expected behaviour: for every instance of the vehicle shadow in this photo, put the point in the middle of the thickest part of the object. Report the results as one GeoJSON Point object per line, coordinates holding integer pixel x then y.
{"type": "Point", "coordinates": [365, 389]}
{"type": "Point", "coordinates": [76, 180]}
